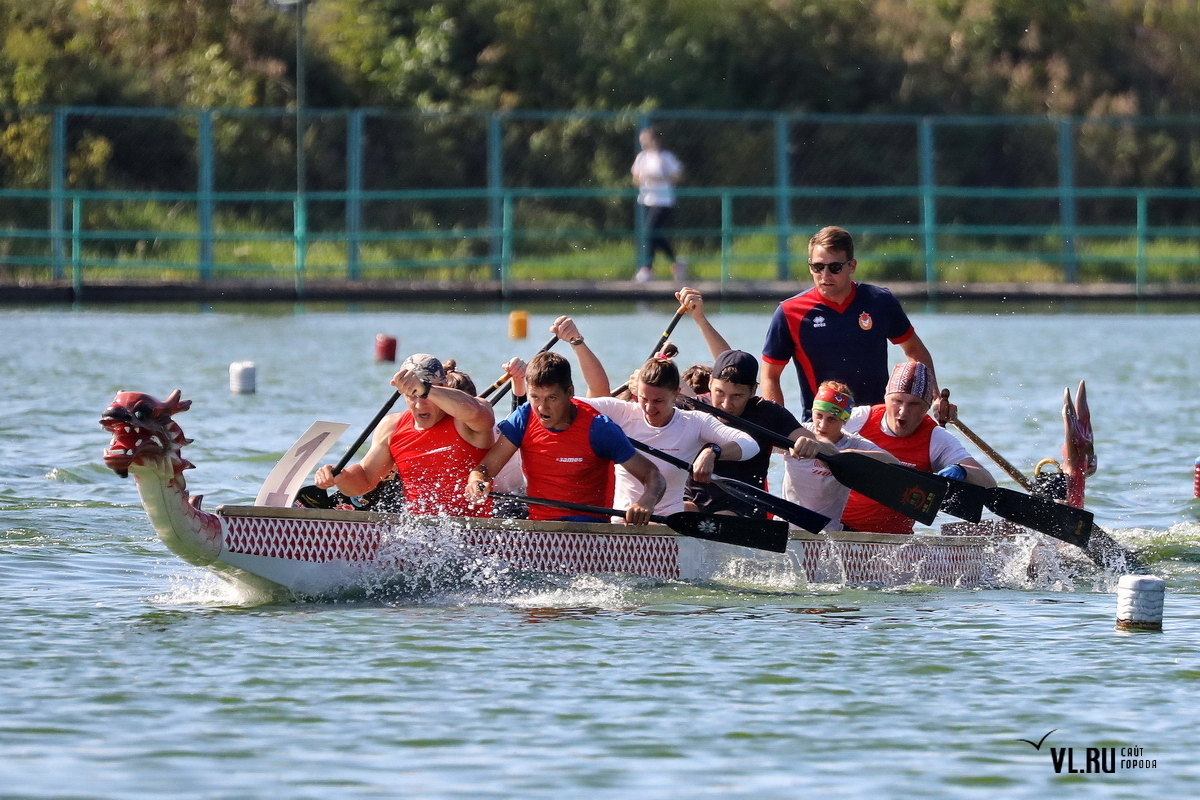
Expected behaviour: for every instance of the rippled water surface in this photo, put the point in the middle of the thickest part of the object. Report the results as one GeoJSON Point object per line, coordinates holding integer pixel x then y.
{"type": "Point", "coordinates": [128, 673]}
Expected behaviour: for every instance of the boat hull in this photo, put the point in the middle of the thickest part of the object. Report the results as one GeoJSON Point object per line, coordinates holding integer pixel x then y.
{"type": "Point", "coordinates": [313, 551]}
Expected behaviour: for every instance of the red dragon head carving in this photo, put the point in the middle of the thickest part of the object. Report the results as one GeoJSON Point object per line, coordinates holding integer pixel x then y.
{"type": "Point", "coordinates": [142, 431]}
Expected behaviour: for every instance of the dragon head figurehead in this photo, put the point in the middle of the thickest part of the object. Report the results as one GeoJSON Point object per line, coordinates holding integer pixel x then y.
{"type": "Point", "coordinates": [144, 433]}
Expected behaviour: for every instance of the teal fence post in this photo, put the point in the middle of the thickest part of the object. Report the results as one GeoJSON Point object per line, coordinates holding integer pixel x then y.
{"type": "Point", "coordinates": [497, 207]}
{"type": "Point", "coordinates": [506, 243]}
{"type": "Point", "coordinates": [783, 199]}
{"type": "Point", "coordinates": [77, 248]}
{"type": "Point", "coordinates": [300, 232]}
{"type": "Point", "coordinates": [1066, 201]}
{"type": "Point", "coordinates": [726, 236]}
{"type": "Point", "coordinates": [204, 160]}
{"type": "Point", "coordinates": [927, 167]}
{"type": "Point", "coordinates": [354, 169]}
{"type": "Point", "coordinates": [58, 183]}
{"type": "Point", "coordinates": [1142, 221]}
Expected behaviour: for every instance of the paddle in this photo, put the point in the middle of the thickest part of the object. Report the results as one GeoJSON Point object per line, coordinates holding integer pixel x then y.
{"type": "Point", "coordinates": [798, 515]}
{"type": "Point", "coordinates": [1071, 525]}
{"type": "Point", "coordinates": [505, 379]}
{"type": "Point", "coordinates": [917, 495]}
{"type": "Point", "coordinates": [313, 496]}
{"type": "Point", "coordinates": [1000, 460]}
{"type": "Point", "coordinates": [657, 347]}
{"type": "Point", "coordinates": [1064, 522]}
{"type": "Point", "coordinates": [760, 534]}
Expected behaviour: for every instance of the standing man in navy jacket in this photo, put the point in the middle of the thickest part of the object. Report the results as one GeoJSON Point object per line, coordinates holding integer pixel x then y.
{"type": "Point", "coordinates": [839, 330]}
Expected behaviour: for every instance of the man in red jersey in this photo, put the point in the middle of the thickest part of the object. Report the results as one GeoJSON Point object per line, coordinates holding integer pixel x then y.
{"type": "Point", "coordinates": [432, 445]}
{"type": "Point", "coordinates": [839, 330]}
{"type": "Point", "coordinates": [567, 448]}
{"type": "Point", "coordinates": [902, 427]}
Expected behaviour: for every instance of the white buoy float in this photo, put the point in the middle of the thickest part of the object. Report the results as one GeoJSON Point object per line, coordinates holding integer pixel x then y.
{"type": "Point", "coordinates": [241, 377]}
{"type": "Point", "coordinates": [1140, 602]}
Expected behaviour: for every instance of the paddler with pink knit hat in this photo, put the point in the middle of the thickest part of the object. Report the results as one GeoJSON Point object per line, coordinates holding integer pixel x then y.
{"type": "Point", "coordinates": [902, 426]}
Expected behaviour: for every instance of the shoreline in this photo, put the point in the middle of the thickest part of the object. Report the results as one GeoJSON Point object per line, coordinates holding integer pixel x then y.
{"type": "Point", "coordinates": [64, 292]}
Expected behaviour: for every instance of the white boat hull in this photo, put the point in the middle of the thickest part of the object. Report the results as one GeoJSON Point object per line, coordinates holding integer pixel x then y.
{"type": "Point", "coordinates": [318, 551]}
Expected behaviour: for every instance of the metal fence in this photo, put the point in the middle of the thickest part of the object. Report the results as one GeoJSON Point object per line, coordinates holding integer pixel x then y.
{"type": "Point", "coordinates": [205, 194]}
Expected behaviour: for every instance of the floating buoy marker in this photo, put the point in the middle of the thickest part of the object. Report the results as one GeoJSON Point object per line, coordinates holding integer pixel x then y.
{"type": "Point", "coordinates": [241, 377]}
{"type": "Point", "coordinates": [518, 324]}
{"type": "Point", "coordinates": [385, 347]}
{"type": "Point", "coordinates": [1140, 602]}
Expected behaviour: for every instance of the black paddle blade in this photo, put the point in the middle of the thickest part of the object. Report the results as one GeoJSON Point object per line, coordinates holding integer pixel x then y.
{"type": "Point", "coordinates": [761, 534]}
{"type": "Point", "coordinates": [313, 497]}
{"type": "Point", "coordinates": [1071, 525]}
{"type": "Point", "coordinates": [794, 513]}
{"type": "Point", "coordinates": [964, 500]}
{"type": "Point", "coordinates": [915, 494]}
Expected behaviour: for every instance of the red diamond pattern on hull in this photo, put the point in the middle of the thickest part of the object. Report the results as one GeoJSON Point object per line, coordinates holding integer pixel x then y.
{"type": "Point", "coordinates": [303, 540]}
{"type": "Point", "coordinates": [856, 563]}
{"type": "Point", "coordinates": [576, 553]}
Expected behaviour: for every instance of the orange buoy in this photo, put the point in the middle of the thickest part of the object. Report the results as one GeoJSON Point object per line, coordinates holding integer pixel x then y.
{"type": "Point", "coordinates": [518, 324]}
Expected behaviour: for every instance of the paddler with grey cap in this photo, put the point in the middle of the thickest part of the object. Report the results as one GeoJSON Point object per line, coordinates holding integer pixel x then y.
{"type": "Point", "coordinates": [433, 445]}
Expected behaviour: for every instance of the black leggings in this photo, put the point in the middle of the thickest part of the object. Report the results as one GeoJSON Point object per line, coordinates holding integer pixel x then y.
{"type": "Point", "coordinates": [658, 219]}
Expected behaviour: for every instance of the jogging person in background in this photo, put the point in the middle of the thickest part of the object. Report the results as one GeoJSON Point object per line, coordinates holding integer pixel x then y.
{"type": "Point", "coordinates": [839, 330]}
{"type": "Point", "coordinates": [655, 172]}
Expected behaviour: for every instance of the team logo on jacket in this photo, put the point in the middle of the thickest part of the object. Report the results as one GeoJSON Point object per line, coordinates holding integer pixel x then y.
{"type": "Point", "coordinates": [865, 322]}
{"type": "Point", "coordinates": [818, 322]}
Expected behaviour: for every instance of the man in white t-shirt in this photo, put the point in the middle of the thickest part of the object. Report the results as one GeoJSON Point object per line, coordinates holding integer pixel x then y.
{"type": "Point", "coordinates": [656, 171]}
{"type": "Point", "coordinates": [691, 436]}
{"type": "Point", "coordinates": [903, 427]}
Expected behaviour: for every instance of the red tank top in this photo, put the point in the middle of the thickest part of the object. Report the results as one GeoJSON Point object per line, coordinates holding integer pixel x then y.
{"type": "Point", "coordinates": [864, 514]}
{"type": "Point", "coordinates": [433, 464]}
{"type": "Point", "coordinates": [561, 465]}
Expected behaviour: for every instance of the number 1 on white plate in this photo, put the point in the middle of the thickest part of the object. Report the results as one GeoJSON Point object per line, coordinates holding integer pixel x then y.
{"type": "Point", "coordinates": [288, 475]}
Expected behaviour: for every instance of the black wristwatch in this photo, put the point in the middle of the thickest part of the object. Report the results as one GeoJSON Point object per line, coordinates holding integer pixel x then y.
{"type": "Point", "coordinates": [716, 448]}
{"type": "Point", "coordinates": [426, 385]}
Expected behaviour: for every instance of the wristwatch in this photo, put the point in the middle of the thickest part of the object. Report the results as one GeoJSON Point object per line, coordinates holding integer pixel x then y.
{"type": "Point", "coordinates": [716, 448]}
{"type": "Point", "coordinates": [578, 340]}
{"type": "Point", "coordinates": [426, 385]}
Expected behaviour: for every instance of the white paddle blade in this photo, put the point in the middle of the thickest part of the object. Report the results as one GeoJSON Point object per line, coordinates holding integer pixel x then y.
{"type": "Point", "coordinates": [279, 490]}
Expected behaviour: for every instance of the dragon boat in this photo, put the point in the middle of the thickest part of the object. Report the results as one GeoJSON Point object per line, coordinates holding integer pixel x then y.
{"type": "Point", "coordinates": [321, 551]}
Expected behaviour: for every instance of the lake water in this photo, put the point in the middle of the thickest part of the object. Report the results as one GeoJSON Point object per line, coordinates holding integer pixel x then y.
{"type": "Point", "coordinates": [128, 673]}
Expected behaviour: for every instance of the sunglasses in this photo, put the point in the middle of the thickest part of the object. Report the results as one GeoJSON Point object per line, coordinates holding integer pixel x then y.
{"type": "Point", "coordinates": [834, 267]}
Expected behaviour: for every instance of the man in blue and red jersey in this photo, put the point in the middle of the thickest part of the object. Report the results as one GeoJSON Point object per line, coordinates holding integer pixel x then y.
{"type": "Point", "coordinates": [839, 330]}
{"type": "Point", "coordinates": [567, 449]}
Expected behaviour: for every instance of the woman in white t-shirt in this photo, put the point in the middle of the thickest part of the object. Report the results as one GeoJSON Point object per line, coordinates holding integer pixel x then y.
{"type": "Point", "coordinates": [807, 480]}
{"type": "Point", "coordinates": [691, 436]}
{"type": "Point", "coordinates": [656, 171]}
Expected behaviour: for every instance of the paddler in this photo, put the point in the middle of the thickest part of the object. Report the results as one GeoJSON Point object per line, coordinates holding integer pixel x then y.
{"type": "Point", "coordinates": [901, 425]}
{"type": "Point", "coordinates": [807, 480]}
{"type": "Point", "coordinates": [432, 445]}
{"type": "Point", "coordinates": [567, 449]}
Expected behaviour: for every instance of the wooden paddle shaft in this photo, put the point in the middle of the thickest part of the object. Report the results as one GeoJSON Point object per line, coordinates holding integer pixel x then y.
{"type": "Point", "coordinates": [1000, 460]}
{"type": "Point", "coordinates": [362, 437]}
